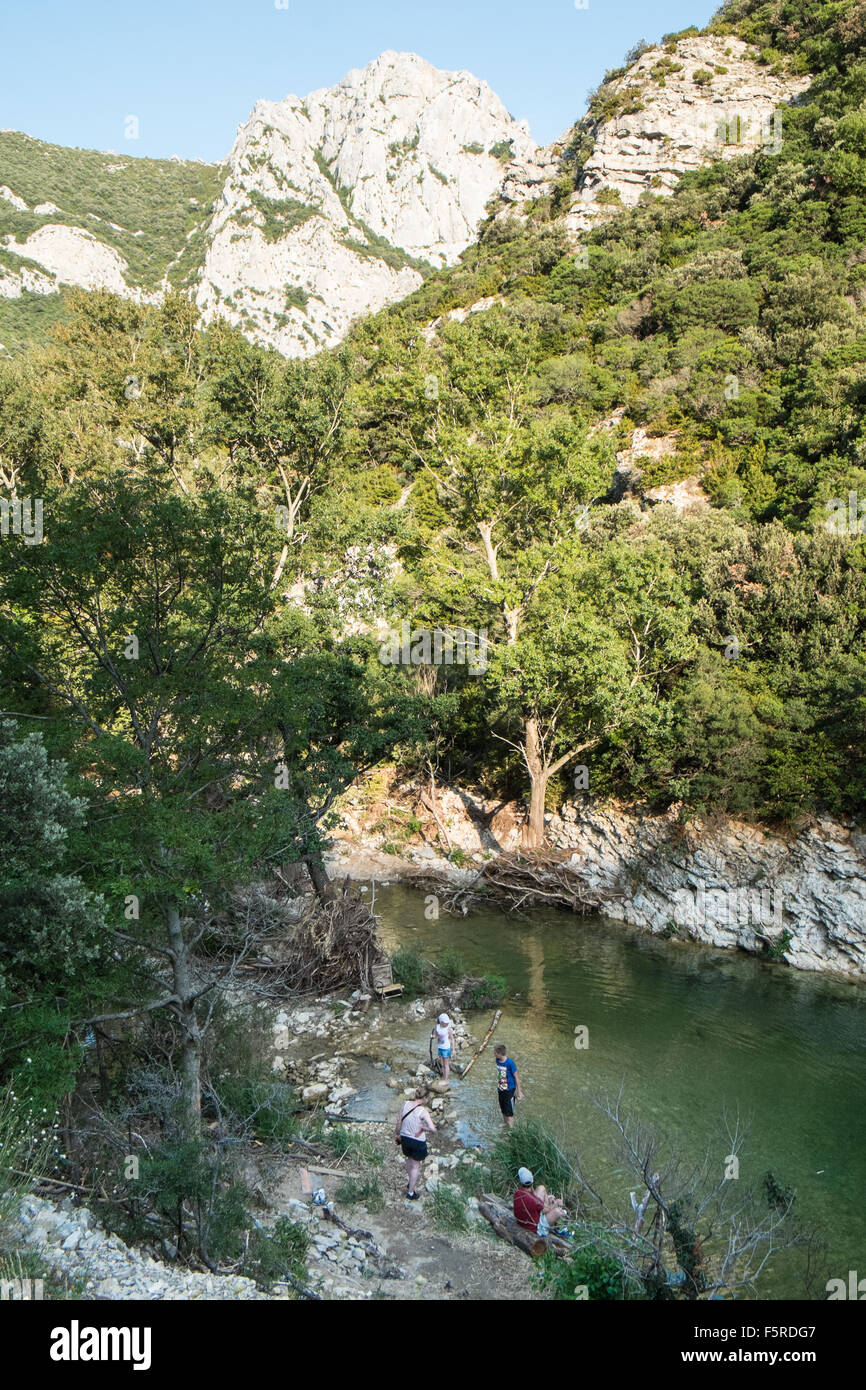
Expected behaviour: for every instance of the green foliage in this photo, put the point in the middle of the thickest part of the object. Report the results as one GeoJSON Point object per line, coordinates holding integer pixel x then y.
{"type": "Point", "coordinates": [186, 1195]}
{"type": "Point", "coordinates": [779, 947]}
{"type": "Point", "coordinates": [296, 298]}
{"type": "Point", "coordinates": [54, 938]}
{"type": "Point", "coordinates": [51, 922]}
{"type": "Point", "coordinates": [28, 1149]}
{"type": "Point", "coordinates": [263, 1109]}
{"type": "Point", "coordinates": [410, 969]}
{"type": "Point", "coordinates": [276, 1252]}
{"type": "Point", "coordinates": [590, 1273]}
{"type": "Point", "coordinates": [665, 67]}
{"type": "Point", "coordinates": [19, 1264]}
{"type": "Point", "coordinates": [530, 1144]}
{"type": "Point", "coordinates": [471, 1178]}
{"type": "Point", "coordinates": [29, 320]}
{"type": "Point", "coordinates": [779, 1197]}
{"type": "Point", "coordinates": [166, 200]}
{"type": "Point", "coordinates": [281, 215]}
{"type": "Point", "coordinates": [485, 993]}
{"type": "Point", "coordinates": [449, 1210]}
{"type": "Point", "coordinates": [450, 966]}
{"type": "Point", "coordinates": [362, 1192]}
{"type": "Point", "coordinates": [401, 148]}
{"type": "Point", "coordinates": [345, 1141]}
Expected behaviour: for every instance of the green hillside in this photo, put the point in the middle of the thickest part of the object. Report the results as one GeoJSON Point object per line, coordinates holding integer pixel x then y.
{"type": "Point", "coordinates": [153, 211]}
{"type": "Point", "coordinates": [733, 313]}
{"type": "Point", "coordinates": [712, 658]}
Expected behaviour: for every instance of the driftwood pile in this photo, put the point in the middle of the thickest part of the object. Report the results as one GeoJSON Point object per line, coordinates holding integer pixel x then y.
{"type": "Point", "coordinates": [336, 944]}
{"type": "Point", "coordinates": [529, 879]}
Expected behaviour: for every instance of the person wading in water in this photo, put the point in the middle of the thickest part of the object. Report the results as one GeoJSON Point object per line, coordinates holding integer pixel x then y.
{"type": "Point", "coordinates": [443, 1033]}
{"type": "Point", "coordinates": [409, 1134]}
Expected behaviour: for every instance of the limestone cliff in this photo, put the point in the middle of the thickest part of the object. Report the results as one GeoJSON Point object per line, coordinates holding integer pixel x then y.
{"type": "Point", "coordinates": [676, 107]}
{"type": "Point", "coordinates": [333, 202]}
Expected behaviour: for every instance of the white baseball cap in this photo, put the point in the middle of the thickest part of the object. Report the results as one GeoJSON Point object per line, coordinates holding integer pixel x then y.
{"type": "Point", "coordinates": [443, 1018]}
{"type": "Point", "coordinates": [524, 1177]}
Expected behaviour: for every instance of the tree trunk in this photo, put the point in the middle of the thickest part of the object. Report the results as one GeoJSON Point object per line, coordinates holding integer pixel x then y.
{"type": "Point", "coordinates": [508, 1228]}
{"type": "Point", "coordinates": [323, 886]}
{"type": "Point", "coordinates": [539, 774]}
{"type": "Point", "coordinates": [185, 1013]}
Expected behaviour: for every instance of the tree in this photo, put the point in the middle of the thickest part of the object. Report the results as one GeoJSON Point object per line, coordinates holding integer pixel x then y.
{"type": "Point", "coordinates": [143, 617]}
{"type": "Point", "coordinates": [53, 925]}
{"type": "Point", "coordinates": [580, 644]}
{"type": "Point", "coordinates": [719, 1233]}
{"type": "Point", "coordinates": [283, 423]}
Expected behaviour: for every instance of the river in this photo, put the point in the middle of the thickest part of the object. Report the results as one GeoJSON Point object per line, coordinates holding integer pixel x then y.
{"type": "Point", "coordinates": [697, 1037]}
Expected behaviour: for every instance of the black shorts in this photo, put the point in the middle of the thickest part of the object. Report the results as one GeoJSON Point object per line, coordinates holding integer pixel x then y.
{"type": "Point", "coordinates": [413, 1148]}
{"type": "Point", "coordinates": [506, 1101]}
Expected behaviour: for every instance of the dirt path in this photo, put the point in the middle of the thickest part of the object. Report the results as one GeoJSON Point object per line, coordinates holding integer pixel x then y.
{"type": "Point", "coordinates": [371, 1061]}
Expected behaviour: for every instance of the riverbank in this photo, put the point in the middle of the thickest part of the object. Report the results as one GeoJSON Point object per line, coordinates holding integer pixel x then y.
{"type": "Point", "coordinates": [357, 1060]}
{"type": "Point", "coordinates": [346, 1057]}
{"type": "Point", "coordinates": [798, 898]}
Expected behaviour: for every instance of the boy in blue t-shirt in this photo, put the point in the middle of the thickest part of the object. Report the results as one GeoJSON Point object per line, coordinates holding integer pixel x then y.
{"type": "Point", "coordinates": [508, 1082]}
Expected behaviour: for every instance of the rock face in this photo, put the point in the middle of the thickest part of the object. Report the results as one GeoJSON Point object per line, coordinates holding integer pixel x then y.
{"type": "Point", "coordinates": [667, 123]}
{"type": "Point", "coordinates": [333, 204]}
{"type": "Point", "coordinates": [330, 199]}
{"type": "Point", "coordinates": [802, 898]}
{"type": "Point", "coordinates": [72, 256]}
{"type": "Point", "coordinates": [76, 1246]}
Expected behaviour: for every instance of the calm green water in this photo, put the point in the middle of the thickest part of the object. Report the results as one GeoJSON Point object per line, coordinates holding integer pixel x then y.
{"type": "Point", "coordinates": [694, 1035]}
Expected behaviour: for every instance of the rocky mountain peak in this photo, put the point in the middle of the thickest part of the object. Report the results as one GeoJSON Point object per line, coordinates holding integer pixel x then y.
{"type": "Point", "coordinates": [333, 201]}
{"type": "Point", "coordinates": [677, 106]}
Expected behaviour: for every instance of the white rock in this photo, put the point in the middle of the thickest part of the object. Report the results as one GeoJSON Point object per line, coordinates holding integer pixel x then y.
{"type": "Point", "coordinates": [315, 1093]}
{"type": "Point", "coordinates": [10, 197]}
{"type": "Point", "coordinates": [409, 144]}
{"type": "Point", "coordinates": [74, 257]}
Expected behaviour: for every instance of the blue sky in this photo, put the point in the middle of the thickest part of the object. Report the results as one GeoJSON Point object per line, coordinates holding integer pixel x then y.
{"type": "Point", "coordinates": [191, 70]}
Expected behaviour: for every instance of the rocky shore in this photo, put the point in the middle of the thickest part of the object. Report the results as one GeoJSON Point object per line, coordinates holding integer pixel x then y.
{"type": "Point", "coordinates": [344, 1057]}
{"type": "Point", "coordinates": [800, 897]}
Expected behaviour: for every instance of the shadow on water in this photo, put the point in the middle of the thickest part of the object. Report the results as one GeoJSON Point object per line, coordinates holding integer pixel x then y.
{"type": "Point", "coordinates": [698, 1039]}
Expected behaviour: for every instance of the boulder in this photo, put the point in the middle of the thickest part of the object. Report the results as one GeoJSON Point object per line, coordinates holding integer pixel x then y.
{"type": "Point", "coordinates": [315, 1094]}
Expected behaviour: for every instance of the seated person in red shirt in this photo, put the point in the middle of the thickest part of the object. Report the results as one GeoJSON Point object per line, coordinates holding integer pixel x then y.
{"type": "Point", "coordinates": [533, 1208]}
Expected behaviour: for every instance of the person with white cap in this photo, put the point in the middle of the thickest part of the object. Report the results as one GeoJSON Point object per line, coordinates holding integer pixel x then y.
{"type": "Point", "coordinates": [443, 1032]}
{"type": "Point", "coordinates": [533, 1208]}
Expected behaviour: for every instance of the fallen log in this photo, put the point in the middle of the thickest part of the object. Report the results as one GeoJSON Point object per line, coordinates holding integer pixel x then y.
{"type": "Point", "coordinates": [484, 1041]}
{"type": "Point", "coordinates": [506, 1226]}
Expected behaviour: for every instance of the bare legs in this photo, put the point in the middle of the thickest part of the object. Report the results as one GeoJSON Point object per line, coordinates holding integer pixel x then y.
{"type": "Point", "coordinates": [413, 1168]}
{"type": "Point", "coordinates": [553, 1208]}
